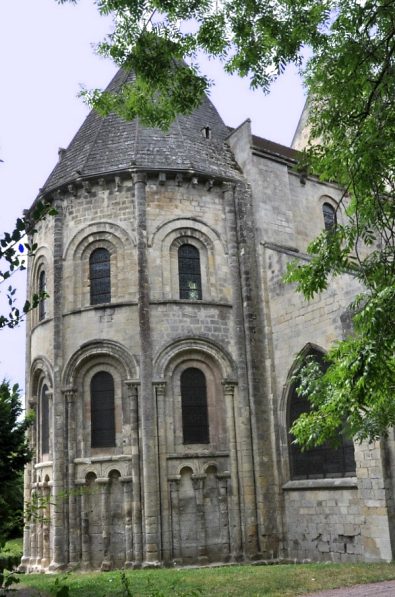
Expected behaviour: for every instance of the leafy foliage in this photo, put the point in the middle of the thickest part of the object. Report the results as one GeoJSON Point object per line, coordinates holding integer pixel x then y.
{"type": "Point", "coordinates": [350, 79]}
{"type": "Point", "coordinates": [160, 41]}
{"type": "Point", "coordinates": [14, 453]}
{"type": "Point", "coordinates": [15, 247]}
{"type": "Point", "coordinates": [351, 86]}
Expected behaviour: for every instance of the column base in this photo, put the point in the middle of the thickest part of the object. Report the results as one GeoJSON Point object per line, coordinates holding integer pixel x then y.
{"type": "Point", "coordinates": [132, 565]}
{"type": "Point", "coordinates": [72, 566]}
{"type": "Point", "coordinates": [24, 565]}
{"type": "Point", "coordinates": [106, 566]}
{"type": "Point", "coordinates": [56, 566]}
{"type": "Point", "coordinates": [153, 564]}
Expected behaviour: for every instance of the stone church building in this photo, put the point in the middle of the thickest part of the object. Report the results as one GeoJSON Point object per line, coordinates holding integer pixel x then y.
{"type": "Point", "coordinates": [160, 365]}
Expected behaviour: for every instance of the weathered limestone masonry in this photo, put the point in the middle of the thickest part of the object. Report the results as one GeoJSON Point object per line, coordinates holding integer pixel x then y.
{"type": "Point", "coordinates": [160, 367]}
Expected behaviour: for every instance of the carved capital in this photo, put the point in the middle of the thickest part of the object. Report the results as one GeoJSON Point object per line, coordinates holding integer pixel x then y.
{"type": "Point", "coordinates": [69, 394]}
{"type": "Point", "coordinates": [32, 403]}
{"type": "Point", "coordinates": [139, 177]}
{"type": "Point", "coordinates": [228, 187]}
{"type": "Point", "coordinates": [160, 388]}
{"type": "Point", "coordinates": [118, 183]}
{"type": "Point", "coordinates": [86, 186]}
{"type": "Point", "coordinates": [132, 386]}
{"type": "Point", "coordinates": [72, 188]}
{"type": "Point", "coordinates": [209, 184]}
{"type": "Point", "coordinates": [229, 387]}
{"type": "Point", "coordinates": [102, 480]}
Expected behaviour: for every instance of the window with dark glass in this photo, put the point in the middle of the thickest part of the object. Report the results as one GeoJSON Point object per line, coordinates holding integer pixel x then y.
{"type": "Point", "coordinates": [42, 287]}
{"type": "Point", "coordinates": [329, 214]}
{"type": "Point", "coordinates": [102, 410]}
{"type": "Point", "coordinates": [194, 407]}
{"type": "Point", "coordinates": [100, 276]}
{"type": "Point", "coordinates": [322, 461]}
{"type": "Point", "coordinates": [44, 420]}
{"type": "Point", "coordinates": [189, 272]}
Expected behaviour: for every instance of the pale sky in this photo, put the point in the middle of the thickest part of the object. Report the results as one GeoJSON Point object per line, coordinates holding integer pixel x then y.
{"type": "Point", "coordinates": [46, 54]}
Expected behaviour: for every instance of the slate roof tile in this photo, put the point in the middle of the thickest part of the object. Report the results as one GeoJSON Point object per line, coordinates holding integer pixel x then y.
{"type": "Point", "coordinates": [111, 144]}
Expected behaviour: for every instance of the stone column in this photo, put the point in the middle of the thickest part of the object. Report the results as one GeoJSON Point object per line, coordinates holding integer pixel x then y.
{"type": "Point", "coordinates": [33, 529]}
{"type": "Point", "coordinates": [160, 391]}
{"type": "Point", "coordinates": [27, 484]}
{"type": "Point", "coordinates": [234, 496]}
{"type": "Point", "coordinates": [73, 527]}
{"type": "Point", "coordinates": [133, 393]}
{"type": "Point", "coordinates": [46, 525]}
{"type": "Point", "coordinates": [105, 521]}
{"type": "Point", "coordinates": [128, 517]}
{"type": "Point", "coordinates": [197, 481]}
{"type": "Point", "coordinates": [30, 404]}
{"type": "Point", "coordinates": [49, 393]}
{"type": "Point", "coordinates": [40, 524]}
{"type": "Point", "coordinates": [175, 518]}
{"type": "Point", "coordinates": [84, 530]}
{"type": "Point", "coordinates": [223, 499]}
{"type": "Point", "coordinates": [245, 455]}
{"type": "Point", "coordinates": [60, 544]}
{"type": "Point", "coordinates": [150, 489]}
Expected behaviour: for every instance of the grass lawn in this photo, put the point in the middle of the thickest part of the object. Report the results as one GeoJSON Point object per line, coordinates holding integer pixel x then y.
{"type": "Point", "coordinates": [13, 546]}
{"type": "Point", "coordinates": [271, 581]}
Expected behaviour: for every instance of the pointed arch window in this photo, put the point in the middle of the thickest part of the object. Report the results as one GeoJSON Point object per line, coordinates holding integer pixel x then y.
{"type": "Point", "coordinates": [322, 461]}
{"type": "Point", "coordinates": [100, 276]}
{"type": "Point", "coordinates": [102, 410]}
{"type": "Point", "coordinates": [329, 213]}
{"type": "Point", "coordinates": [44, 403]}
{"type": "Point", "coordinates": [42, 287]}
{"type": "Point", "coordinates": [194, 407]}
{"type": "Point", "coordinates": [190, 280]}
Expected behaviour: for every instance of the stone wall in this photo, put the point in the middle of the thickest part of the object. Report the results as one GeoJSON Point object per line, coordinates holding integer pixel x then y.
{"type": "Point", "coordinates": [323, 520]}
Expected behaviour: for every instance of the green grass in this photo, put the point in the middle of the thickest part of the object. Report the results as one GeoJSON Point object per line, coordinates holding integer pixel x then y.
{"type": "Point", "coordinates": [11, 553]}
{"type": "Point", "coordinates": [252, 581]}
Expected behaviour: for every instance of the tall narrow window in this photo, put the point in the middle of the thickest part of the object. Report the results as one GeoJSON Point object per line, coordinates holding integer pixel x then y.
{"type": "Point", "coordinates": [322, 461]}
{"type": "Point", "coordinates": [189, 273]}
{"type": "Point", "coordinates": [100, 276]}
{"type": "Point", "coordinates": [194, 407]}
{"type": "Point", "coordinates": [44, 420]}
{"type": "Point", "coordinates": [42, 287]}
{"type": "Point", "coordinates": [329, 213]}
{"type": "Point", "coordinates": [102, 410]}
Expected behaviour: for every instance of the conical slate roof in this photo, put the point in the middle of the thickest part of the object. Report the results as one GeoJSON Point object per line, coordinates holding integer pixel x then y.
{"type": "Point", "coordinates": [111, 144]}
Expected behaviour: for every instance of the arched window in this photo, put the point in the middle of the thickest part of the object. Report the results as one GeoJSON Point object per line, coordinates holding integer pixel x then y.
{"type": "Point", "coordinates": [322, 461]}
{"type": "Point", "coordinates": [102, 410]}
{"type": "Point", "coordinates": [194, 407]}
{"type": "Point", "coordinates": [329, 213]}
{"type": "Point", "coordinates": [42, 287]}
{"type": "Point", "coordinates": [100, 276]}
{"type": "Point", "coordinates": [189, 273]}
{"type": "Point", "coordinates": [44, 420]}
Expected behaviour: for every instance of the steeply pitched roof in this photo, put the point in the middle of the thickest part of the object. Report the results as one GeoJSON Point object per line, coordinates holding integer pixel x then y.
{"type": "Point", "coordinates": [110, 145]}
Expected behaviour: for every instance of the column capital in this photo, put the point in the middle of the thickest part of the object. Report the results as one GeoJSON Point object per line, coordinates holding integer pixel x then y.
{"type": "Point", "coordinates": [32, 402]}
{"type": "Point", "coordinates": [228, 187]}
{"type": "Point", "coordinates": [102, 480]}
{"type": "Point", "coordinates": [229, 386]}
{"type": "Point", "coordinates": [160, 387]}
{"type": "Point", "coordinates": [139, 177]}
{"type": "Point", "coordinates": [132, 382]}
{"type": "Point", "coordinates": [69, 393]}
{"type": "Point", "coordinates": [126, 479]}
